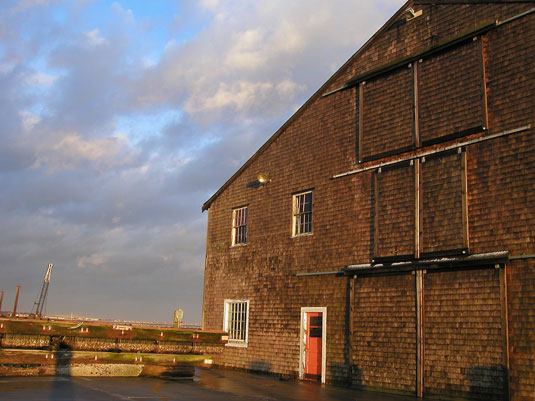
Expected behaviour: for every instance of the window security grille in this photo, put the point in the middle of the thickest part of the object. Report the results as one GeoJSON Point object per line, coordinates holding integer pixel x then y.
{"type": "Point", "coordinates": [236, 320]}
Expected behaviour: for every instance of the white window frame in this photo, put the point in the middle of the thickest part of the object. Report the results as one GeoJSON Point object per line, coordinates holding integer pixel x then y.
{"type": "Point", "coordinates": [235, 226]}
{"type": "Point", "coordinates": [295, 213]}
{"type": "Point", "coordinates": [232, 342]}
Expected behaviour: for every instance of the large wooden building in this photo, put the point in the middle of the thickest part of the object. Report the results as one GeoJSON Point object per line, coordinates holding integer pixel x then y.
{"type": "Point", "coordinates": [384, 236]}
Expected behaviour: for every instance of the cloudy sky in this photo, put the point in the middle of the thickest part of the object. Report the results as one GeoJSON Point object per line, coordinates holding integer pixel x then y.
{"type": "Point", "coordinates": [118, 119]}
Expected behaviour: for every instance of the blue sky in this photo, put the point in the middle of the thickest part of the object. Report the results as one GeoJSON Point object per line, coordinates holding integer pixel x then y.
{"type": "Point", "coordinates": [120, 118]}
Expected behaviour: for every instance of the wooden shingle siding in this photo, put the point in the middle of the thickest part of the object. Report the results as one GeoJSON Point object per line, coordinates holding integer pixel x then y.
{"type": "Point", "coordinates": [442, 203]}
{"type": "Point", "coordinates": [510, 54]}
{"type": "Point", "coordinates": [387, 114]}
{"type": "Point", "coordinates": [482, 199]}
{"type": "Point", "coordinates": [521, 295]}
{"type": "Point", "coordinates": [395, 210]}
{"type": "Point", "coordinates": [463, 338]}
{"type": "Point", "coordinates": [384, 342]}
{"type": "Point", "coordinates": [501, 178]}
{"type": "Point", "coordinates": [450, 92]}
{"type": "Point", "coordinates": [439, 22]}
{"type": "Point", "coordinates": [274, 327]}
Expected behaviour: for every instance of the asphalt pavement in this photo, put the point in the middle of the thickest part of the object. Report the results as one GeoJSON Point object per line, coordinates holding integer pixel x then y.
{"type": "Point", "coordinates": [209, 385]}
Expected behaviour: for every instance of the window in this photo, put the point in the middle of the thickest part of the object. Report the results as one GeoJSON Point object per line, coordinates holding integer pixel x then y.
{"type": "Point", "coordinates": [302, 213]}
{"type": "Point", "coordinates": [236, 321]}
{"type": "Point", "coordinates": [239, 226]}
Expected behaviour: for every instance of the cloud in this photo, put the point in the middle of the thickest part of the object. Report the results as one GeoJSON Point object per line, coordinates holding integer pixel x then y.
{"type": "Point", "coordinates": [94, 39]}
{"type": "Point", "coordinates": [238, 62]}
{"type": "Point", "coordinates": [40, 79]}
{"type": "Point", "coordinates": [72, 151]}
{"type": "Point", "coordinates": [28, 119]}
{"type": "Point", "coordinates": [117, 125]}
{"type": "Point", "coordinates": [25, 5]}
{"type": "Point", "coordinates": [94, 260]}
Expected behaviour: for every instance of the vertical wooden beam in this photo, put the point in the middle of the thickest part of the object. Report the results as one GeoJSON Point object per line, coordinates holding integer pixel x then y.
{"type": "Point", "coordinates": [208, 250]}
{"type": "Point", "coordinates": [505, 330]}
{"type": "Point", "coordinates": [416, 102]}
{"type": "Point", "coordinates": [483, 74]}
{"type": "Point", "coordinates": [464, 201]}
{"type": "Point", "coordinates": [361, 118]}
{"type": "Point", "coordinates": [417, 203]}
{"type": "Point", "coordinates": [351, 324]}
{"type": "Point", "coordinates": [376, 214]}
{"type": "Point", "coordinates": [420, 360]}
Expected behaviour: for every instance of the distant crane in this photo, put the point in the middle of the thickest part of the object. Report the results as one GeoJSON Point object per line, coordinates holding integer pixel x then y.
{"type": "Point", "coordinates": [40, 303]}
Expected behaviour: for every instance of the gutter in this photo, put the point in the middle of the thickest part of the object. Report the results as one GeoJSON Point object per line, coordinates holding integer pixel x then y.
{"type": "Point", "coordinates": [423, 264]}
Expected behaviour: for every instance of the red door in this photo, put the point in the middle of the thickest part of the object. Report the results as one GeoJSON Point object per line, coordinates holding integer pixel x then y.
{"type": "Point", "coordinates": [313, 348]}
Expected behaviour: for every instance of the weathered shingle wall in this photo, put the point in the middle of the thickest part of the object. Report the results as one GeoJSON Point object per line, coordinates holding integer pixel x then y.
{"type": "Point", "coordinates": [384, 342]}
{"type": "Point", "coordinates": [464, 345]}
{"type": "Point", "coordinates": [442, 203]}
{"type": "Point", "coordinates": [521, 296]}
{"type": "Point", "coordinates": [354, 214]}
{"type": "Point", "coordinates": [263, 270]}
{"type": "Point", "coordinates": [395, 210]}
{"type": "Point", "coordinates": [387, 125]}
{"type": "Point", "coordinates": [510, 52]}
{"type": "Point", "coordinates": [450, 88]}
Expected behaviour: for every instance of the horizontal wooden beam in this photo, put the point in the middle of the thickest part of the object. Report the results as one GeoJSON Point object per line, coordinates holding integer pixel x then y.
{"type": "Point", "coordinates": [424, 153]}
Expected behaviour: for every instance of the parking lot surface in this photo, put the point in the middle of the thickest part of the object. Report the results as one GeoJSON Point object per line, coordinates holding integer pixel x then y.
{"type": "Point", "coordinates": [209, 384]}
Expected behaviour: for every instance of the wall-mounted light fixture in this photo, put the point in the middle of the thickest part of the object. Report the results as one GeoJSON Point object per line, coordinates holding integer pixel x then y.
{"type": "Point", "coordinates": [411, 14]}
{"type": "Point", "coordinates": [261, 180]}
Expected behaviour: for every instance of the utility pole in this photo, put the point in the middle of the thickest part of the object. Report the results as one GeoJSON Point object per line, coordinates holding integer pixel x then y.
{"type": "Point", "coordinates": [16, 302]}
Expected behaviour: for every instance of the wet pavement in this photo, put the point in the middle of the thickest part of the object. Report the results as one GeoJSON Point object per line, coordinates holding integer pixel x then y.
{"type": "Point", "coordinates": [210, 384]}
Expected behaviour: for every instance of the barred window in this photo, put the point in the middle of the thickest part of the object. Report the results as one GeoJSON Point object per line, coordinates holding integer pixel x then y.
{"type": "Point", "coordinates": [302, 213]}
{"type": "Point", "coordinates": [239, 226]}
{"type": "Point", "coordinates": [236, 320]}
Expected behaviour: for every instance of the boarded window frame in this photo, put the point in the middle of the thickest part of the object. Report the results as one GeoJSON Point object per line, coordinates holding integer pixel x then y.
{"type": "Point", "coordinates": [361, 116]}
{"type": "Point", "coordinates": [378, 255]}
{"type": "Point", "coordinates": [459, 161]}
{"type": "Point", "coordinates": [476, 36]}
{"type": "Point", "coordinates": [475, 49]}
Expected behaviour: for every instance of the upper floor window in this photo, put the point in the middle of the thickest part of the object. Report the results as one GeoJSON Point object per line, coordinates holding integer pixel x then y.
{"type": "Point", "coordinates": [239, 226]}
{"type": "Point", "coordinates": [302, 213]}
{"type": "Point", "coordinates": [236, 321]}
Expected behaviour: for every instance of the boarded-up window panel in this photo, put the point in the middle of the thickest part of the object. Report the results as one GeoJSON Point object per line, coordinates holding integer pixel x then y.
{"type": "Point", "coordinates": [450, 93]}
{"type": "Point", "coordinates": [387, 113]}
{"type": "Point", "coordinates": [510, 63]}
{"type": "Point", "coordinates": [384, 340]}
{"type": "Point", "coordinates": [442, 225]}
{"type": "Point", "coordinates": [395, 212]}
{"type": "Point", "coordinates": [463, 337]}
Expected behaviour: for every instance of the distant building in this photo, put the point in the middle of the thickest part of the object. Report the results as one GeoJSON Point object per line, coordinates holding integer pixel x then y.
{"type": "Point", "coordinates": [390, 242]}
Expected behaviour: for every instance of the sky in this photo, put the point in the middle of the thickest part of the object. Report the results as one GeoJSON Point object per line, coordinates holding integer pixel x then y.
{"type": "Point", "coordinates": [119, 119]}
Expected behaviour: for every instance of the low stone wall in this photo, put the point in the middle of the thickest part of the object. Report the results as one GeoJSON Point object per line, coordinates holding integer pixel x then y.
{"type": "Point", "coordinates": [30, 347]}
{"type": "Point", "coordinates": [107, 344]}
{"type": "Point", "coordinates": [24, 341]}
{"type": "Point", "coordinates": [33, 362]}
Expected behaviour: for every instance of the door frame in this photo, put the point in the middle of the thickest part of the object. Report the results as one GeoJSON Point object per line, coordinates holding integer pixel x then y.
{"type": "Point", "coordinates": [302, 359]}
